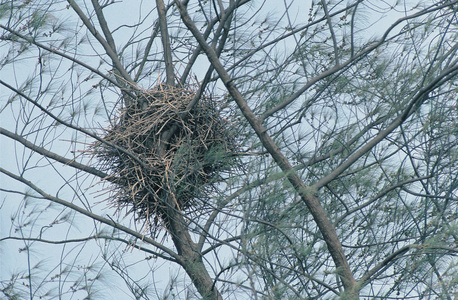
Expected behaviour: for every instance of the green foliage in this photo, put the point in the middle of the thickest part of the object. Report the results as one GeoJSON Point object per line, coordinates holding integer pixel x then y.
{"type": "Point", "coordinates": [359, 99]}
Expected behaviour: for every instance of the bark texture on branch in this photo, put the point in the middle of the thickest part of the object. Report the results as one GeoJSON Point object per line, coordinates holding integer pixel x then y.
{"type": "Point", "coordinates": [307, 195]}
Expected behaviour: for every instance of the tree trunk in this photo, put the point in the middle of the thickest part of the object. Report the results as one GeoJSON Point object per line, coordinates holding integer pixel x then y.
{"type": "Point", "coordinates": [190, 256]}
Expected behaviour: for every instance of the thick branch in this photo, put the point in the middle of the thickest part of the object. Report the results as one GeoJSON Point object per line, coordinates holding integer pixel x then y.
{"type": "Point", "coordinates": [190, 256]}
{"type": "Point", "coordinates": [104, 25]}
{"type": "Point", "coordinates": [319, 215]}
{"type": "Point", "coordinates": [170, 73]}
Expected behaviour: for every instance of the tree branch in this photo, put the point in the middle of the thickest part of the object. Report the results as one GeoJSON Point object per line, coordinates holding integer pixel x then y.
{"type": "Point", "coordinates": [108, 49]}
{"type": "Point", "coordinates": [331, 30]}
{"type": "Point", "coordinates": [170, 72]}
{"type": "Point", "coordinates": [54, 156]}
{"type": "Point", "coordinates": [378, 196]}
{"type": "Point", "coordinates": [380, 267]}
{"type": "Point", "coordinates": [104, 25]}
{"type": "Point", "coordinates": [59, 120]}
{"type": "Point", "coordinates": [351, 60]}
{"type": "Point", "coordinates": [52, 50]}
{"type": "Point", "coordinates": [414, 104]}
{"type": "Point", "coordinates": [92, 215]}
{"type": "Point", "coordinates": [92, 237]}
{"type": "Point", "coordinates": [307, 195]}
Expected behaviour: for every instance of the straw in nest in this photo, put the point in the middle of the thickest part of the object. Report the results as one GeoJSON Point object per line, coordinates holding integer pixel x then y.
{"type": "Point", "coordinates": [164, 151]}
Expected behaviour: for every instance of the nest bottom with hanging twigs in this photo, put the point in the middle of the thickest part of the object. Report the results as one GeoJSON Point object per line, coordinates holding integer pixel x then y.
{"type": "Point", "coordinates": [164, 152]}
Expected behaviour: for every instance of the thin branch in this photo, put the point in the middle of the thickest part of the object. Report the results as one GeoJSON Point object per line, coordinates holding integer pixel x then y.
{"type": "Point", "coordinates": [55, 51]}
{"type": "Point", "coordinates": [91, 215]}
{"type": "Point", "coordinates": [59, 120]}
{"type": "Point", "coordinates": [92, 237]}
{"type": "Point", "coordinates": [331, 30]}
{"type": "Point", "coordinates": [108, 49]}
{"type": "Point", "coordinates": [147, 50]}
{"type": "Point", "coordinates": [196, 52]}
{"type": "Point", "coordinates": [350, 61]}
{"type": "Point", "coordinates": [419, 98]}
{"type": "Point", "coordinates": [378, 196]}
{"type": "Point", "coordinates": [284, 36]}
{"type": "Point", "coordinates": [380, 267]}
{"type": "Point", "coordinates": [352, 28]}
{"type": "Point", "coordinates": [54, 156]}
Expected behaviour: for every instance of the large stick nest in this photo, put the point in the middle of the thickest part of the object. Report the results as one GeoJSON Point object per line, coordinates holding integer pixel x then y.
{"type": "Point", "coordinates": [165, 151]}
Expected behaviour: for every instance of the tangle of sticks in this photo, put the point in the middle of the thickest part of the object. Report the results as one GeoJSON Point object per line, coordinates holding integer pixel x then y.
{"type": "Point", "coordinates": [182, 153]}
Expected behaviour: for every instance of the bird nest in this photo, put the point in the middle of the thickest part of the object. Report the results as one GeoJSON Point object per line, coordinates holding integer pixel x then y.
{"type": "Point", "coordinates": [162, 148]}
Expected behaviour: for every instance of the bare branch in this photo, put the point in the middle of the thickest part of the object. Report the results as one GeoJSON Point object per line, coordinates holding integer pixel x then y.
{"type": "Point", "coordinates": [91, 215]}
{"type": "Point", "coordinates": [131, 244]}
{"type": "Point", "coordinates": [326, 227]}
{"type": "Point", "coordinates": [387, 262]}
{"type": "Point", "coordinates": [108, 49]}
{"type": "Point", "coordinates": [417, 100]}
{"type": "Point", "coordinates": [331, 30]}
{"type": "Point", "coordinates": [166, 42]}
{"type": "Point", "coordinates": [56, 51]}
{"type": "Point", "coordinates": [54, 156]}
